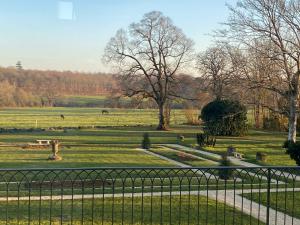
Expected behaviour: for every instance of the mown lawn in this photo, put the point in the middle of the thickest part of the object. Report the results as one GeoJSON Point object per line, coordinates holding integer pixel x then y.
{"type": "Point", "coordinates": [137, 210]}
{"type": "Point", "coordinates": [286, 202]}
{"type": "Point", "coordinates": [123, 126]}
{"type": "Point", "coordinates": [255, 141]}
{"type": "Point", "coordinates": [182, 157]}
{"type": "Point", "coordinates": [74, 157]}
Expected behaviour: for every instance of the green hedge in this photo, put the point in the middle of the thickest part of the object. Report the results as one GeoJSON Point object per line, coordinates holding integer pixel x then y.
{"type": "Point", "coordinates": [225, 118]}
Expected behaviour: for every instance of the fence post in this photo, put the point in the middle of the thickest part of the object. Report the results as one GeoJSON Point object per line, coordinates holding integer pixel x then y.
{"type": "Point", "coordinates": [268, 197]}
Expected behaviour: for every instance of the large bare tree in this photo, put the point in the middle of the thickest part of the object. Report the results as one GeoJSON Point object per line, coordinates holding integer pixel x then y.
{"type": "Point", "coordinates": [276, 23]}
{"type": "Point", "coordinates": [148, 56]}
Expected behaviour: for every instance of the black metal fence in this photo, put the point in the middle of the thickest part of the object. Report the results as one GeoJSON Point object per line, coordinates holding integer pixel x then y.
{"type": "Point", "coordinates": [219, 195]}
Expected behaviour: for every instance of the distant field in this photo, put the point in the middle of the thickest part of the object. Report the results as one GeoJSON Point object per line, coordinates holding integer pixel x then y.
{"type": "Point", "coordinates": [75, 117]}
{"type": "Point", "coordinates": [81, 101]}
{"type": "Point", "coordinates": [86, 117]}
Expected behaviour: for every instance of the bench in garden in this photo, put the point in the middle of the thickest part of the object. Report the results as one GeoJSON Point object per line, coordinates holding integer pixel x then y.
{"type": "Point", "coordinates": [43, 142]}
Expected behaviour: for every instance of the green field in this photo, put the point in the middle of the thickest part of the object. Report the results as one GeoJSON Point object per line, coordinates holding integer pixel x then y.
{"type": "Point", "coordinates": [86, 129]}
{"type": "Point", "coordinates": [81, 101]}
{"type": "Point", "coordinates": [84, 117]}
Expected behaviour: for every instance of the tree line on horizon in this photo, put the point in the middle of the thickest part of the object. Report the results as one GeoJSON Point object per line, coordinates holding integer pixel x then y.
{"type": "Point", "coordinates": [20, 87]}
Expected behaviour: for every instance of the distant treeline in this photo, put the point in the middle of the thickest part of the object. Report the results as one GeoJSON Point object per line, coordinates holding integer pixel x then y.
{"type": "Point", "coordinates": [20, 87]}
{"type": "Point", "coordinates": [26, 88]}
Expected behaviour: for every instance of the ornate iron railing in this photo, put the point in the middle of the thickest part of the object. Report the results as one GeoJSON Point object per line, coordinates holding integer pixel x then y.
{"type": "Point", "coordinates": [215, 195]}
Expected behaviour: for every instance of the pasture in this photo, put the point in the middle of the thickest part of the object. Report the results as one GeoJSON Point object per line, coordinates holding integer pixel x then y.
{"type": "Point", "coordinates": [84, 117]}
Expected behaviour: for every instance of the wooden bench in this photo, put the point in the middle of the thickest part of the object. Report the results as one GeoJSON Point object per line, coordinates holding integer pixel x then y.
{"type": "Point", "coordinates": [43, 142]}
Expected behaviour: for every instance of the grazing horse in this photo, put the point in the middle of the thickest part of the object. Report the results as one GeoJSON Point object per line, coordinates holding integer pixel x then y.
{"type": "Point", "coordinates": [62, 116]}
{"type": "Point", "coordinates": [105, 112]}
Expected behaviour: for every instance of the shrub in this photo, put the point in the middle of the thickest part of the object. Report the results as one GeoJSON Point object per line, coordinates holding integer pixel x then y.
{"type": "Point", "coordinates": [206, 140]}
{"type": "Point", "coordinates": [225, 173]}
{"type": "Point", "coordinates": [180, 138]}
{"type": "Point", "coordinates": [275, 122]}
{"type": "Point", "coordinates": [225, 118]}
{"type": "Point", "coordinates": [293, 149]}
{"type": "Point", "coordinates": [260, 156]}
{"type": "Point", "coordinates": [146, 141]}
{"type": "Point", "coordinates": [192, 117]}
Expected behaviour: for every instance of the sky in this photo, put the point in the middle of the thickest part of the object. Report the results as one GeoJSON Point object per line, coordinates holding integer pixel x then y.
{"type": "Point", "coordinates": [72, 34]}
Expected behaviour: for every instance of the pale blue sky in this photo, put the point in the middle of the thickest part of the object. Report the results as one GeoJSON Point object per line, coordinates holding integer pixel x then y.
{"type": "Point", "coordinates": [46, 34]}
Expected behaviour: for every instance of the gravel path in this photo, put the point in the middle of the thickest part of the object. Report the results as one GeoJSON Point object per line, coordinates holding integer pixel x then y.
{"type": "Point", "coordinates": [237, 162]}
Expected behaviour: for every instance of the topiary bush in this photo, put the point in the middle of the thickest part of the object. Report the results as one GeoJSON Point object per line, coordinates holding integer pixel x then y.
{"type": "Point", "coordinates": [293, 149]}
{"type": "Point", "coordinates": [146, 142]}
{"type": "Point", "coordinates": [225, 118]}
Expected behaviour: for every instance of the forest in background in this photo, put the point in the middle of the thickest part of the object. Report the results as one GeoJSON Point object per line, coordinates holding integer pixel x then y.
{"type": "Point", "coordinates": [36, 88]}
{"type": "Point", "coordinates": [20, 88]}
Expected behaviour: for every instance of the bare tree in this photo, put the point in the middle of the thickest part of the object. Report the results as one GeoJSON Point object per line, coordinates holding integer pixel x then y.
{"type": "Point", "coordinates": [258, 76]}
{"type": "Point", "coordinates": [277, 23]}
{"type": "Point", "coordinates": [217, 69]}
{"type": "Point", "coordinates": [149, 56]}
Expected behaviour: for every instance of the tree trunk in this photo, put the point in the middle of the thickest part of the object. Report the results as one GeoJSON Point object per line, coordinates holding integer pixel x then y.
{"type": "Point", "coordinates": [162, 120]}
{"type": "Point", "coordinates": [257, 116]}
{"type": "Point", "coordinates": [293, 118]}
{"type": "Point", "coordinates": [293, 101]}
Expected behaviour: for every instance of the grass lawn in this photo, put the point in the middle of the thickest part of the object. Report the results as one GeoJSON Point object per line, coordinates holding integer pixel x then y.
{"type": "Point", "coordinates": [113, 135]}
{"type": "Point", "coordinates": [182, 157]}
{"type": "Point", "coordinates": [111, 141]}
{"type": "Point", "coordinates": [124, 127]}
{"type": "Point", "coordinates": [255, 141]}
{"type": "Point", "coordinates": [75, 117]}
{"type": "Point", "coordinates": [269, 142]}
{"type": "Point", "coordinates": [73, 157]}
{"type": "Point", "coordinates": [288, 202]}
{"type": "Point", "coordinates": [146, 210]}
